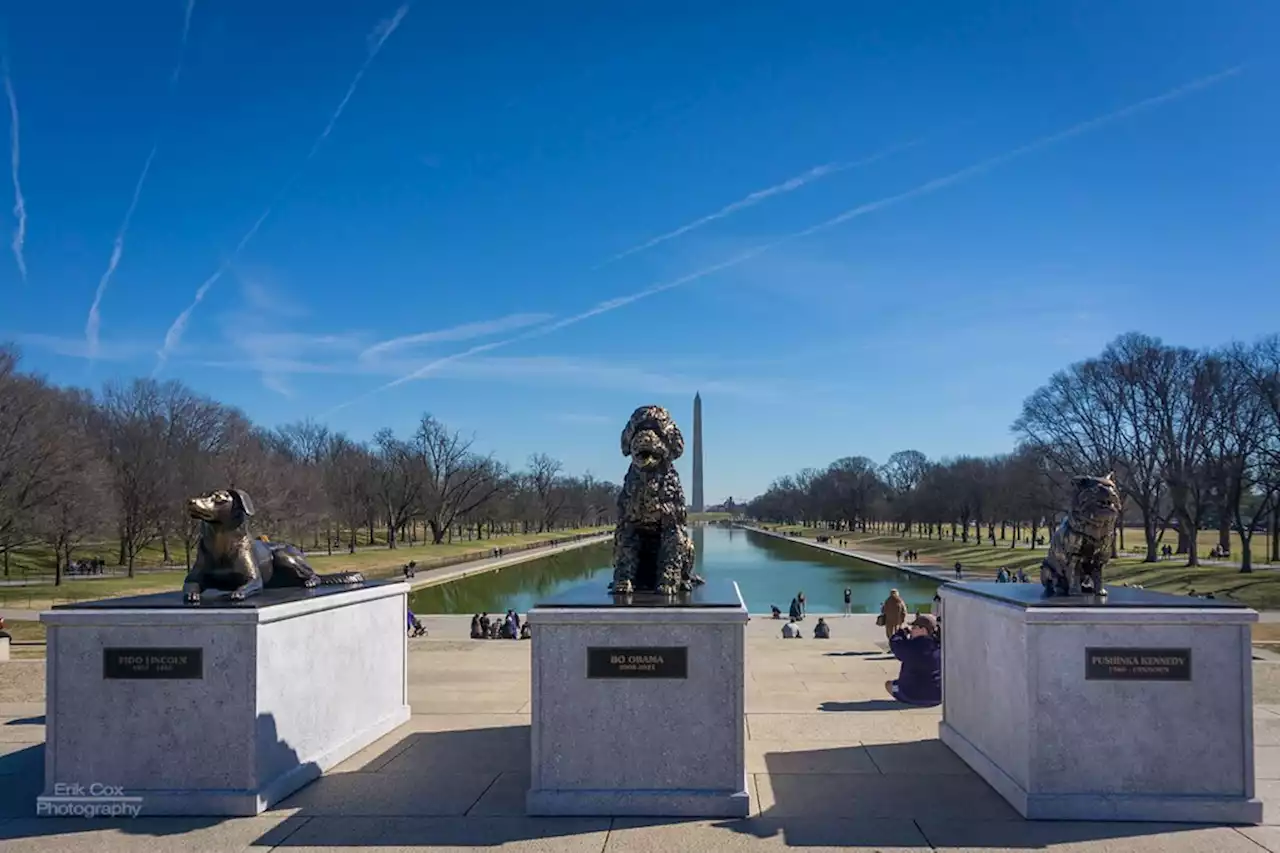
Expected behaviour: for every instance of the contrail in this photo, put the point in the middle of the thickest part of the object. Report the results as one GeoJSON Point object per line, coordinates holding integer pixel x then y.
{"type": "Point", "coordinates": [94, 321]}
{"type": "Point", "coordinates": [182, 47]}
{"type": "Point", "coordinates": [173, 336]}
{"type": "Point", "coordinates": [1030, 147]}
{"type": "Point", "coordinates": [789, 185]}
{"type": "Point", "coordinates": [15, 158]}
{"type": "Point", "coordinates": [380, 34]}
{"type": "Point", "coordinates": [599, 308]}
{"type": "Point", "coordinates": [924, 189]}
{"type": "Point", "coordinates": [92, 325]}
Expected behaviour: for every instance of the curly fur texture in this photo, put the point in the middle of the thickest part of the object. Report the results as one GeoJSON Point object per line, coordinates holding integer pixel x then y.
{"type": "Point", "coordinates": [1081, 546]}
{"type": "Point", "coordinates": [652, 550]}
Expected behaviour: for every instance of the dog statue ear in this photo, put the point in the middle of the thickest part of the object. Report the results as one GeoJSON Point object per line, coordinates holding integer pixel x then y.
{"type": "Point", "coordinates": [675, 440]}
{"type": "Point", "coordinates": [242, 498]}
{"type": "Point", "coordinates": [628, 433]}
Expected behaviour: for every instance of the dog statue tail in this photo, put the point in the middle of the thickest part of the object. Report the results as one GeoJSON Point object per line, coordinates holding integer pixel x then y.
{"type": "Point", "coordinates": [337, 578]}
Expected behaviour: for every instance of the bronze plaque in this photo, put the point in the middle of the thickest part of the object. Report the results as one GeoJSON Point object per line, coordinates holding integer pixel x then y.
{"type": "Point", "coordinates": [656, 662]}
{"type": "Point", "coordinates": [153, 663]}
{"type": "Point", "coordinates": [1114, 664]}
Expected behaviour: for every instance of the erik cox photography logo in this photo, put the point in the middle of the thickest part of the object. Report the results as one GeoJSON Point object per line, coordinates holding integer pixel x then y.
{"type": "Point", "coordinates": [71, 799]}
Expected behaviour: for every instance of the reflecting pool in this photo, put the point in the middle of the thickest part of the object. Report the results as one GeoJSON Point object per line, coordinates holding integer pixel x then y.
{"type": "Point", "coordinates": [768, 571]}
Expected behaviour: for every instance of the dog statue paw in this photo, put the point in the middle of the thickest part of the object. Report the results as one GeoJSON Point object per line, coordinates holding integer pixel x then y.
{"type": "Point", "coordinates": [622, 587]}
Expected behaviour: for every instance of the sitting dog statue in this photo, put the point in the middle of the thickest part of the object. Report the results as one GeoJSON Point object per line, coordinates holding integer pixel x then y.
{"type": "Point", "coordinates": [229, 559]}
{"type": "Point", "coordinates": [1081, 546]}
{"type": "Point", "coordinates": [652, 550]}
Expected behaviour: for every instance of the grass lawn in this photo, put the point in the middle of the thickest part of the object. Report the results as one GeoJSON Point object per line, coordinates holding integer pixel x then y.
{"type": "Point", "coordinates": [25, 632]}
{"type": "Point", "coordinates": [374, 563]}
{"type": "Point", "coordinates": [1260, 589]}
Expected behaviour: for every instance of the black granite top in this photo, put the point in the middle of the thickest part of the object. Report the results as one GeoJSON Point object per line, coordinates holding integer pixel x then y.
{"type": "Point", "coordinates": [214, 600]}
{"type": "Point", "coordinates": [716, 592]}
{"type": "Point", "coordinates": [1032, 595]}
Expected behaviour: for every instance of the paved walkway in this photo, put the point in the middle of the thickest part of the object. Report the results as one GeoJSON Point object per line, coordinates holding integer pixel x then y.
{"type": "Point", "coordinates": [833, 765]}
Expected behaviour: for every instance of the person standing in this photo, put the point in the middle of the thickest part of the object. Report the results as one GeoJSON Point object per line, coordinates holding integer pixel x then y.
{"type": "Point", "coordinates": [848, 601]}
{"type": "Point", "coordinates": [894, 611]}
{"type": "Point", "coordinates": [959, 571]}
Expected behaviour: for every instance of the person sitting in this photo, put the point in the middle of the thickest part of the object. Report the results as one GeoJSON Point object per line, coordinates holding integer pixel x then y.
{"type": "Point", "coordinates": [822, 631]}
{"type": "Point", "coordinates": [777, 614]}
{"type": "Point", "coordinates": [526, 633]}
{"type": "Point", "coordinates": [918, 646]}
{"type": "Point", "coordinates": [476, 632]}
{"type": "Point", "coordinates": [790, 630]}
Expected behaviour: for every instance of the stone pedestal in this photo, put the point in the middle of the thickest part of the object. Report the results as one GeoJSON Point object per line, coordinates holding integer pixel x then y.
{"type": "Point", "coordinates": [219, 709]}
{"type": "Point", "coordinates": [1133, 707]}
{"type": "Point", "coordinates": [638, 704]}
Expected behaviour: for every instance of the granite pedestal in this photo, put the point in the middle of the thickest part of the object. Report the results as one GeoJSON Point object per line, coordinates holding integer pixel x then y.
{"type": "Point", "coordinates": [222, 708]}
{"type": "Point", "coordinates": [638, 704]}
{"type": "Point", "coordinates": [1133, 707]}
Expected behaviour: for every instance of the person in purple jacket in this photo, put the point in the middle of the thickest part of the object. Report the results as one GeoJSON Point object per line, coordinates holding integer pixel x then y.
{"type": "Point", "coordinates": [919, 648]}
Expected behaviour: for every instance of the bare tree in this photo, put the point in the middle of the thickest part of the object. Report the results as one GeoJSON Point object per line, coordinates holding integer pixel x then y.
{"type": "Point", "coordinates": [401, 475]}
{"type": "Point", "coordinates": [78, 505]}
{"type": "Point", "coordinates": [543, 474]}
{"type": "Point", "coordinates": [458, 482]}
{"type": "Point", "coordinates": [31, 454]}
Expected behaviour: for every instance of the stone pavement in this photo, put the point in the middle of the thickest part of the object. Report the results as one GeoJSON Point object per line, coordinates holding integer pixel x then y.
{"type": "Point", "coordinates": [833, 764]}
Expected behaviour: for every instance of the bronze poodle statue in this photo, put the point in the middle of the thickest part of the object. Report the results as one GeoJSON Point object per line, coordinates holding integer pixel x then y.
{"type": "Point", "coordinates": [228, 559]}
{"type": "Point", "coordinates": [652, 551]}
{"type": "Point", "coordinates": [1081, 546]}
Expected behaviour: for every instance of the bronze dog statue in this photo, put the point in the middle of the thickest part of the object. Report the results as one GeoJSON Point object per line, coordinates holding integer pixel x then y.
{"type": "Point", "coordinates": [1081, 546]}
{"type": "Point", "coordinates": [228, 559]}
{"type": "Point", "coordinates": [652, 551]}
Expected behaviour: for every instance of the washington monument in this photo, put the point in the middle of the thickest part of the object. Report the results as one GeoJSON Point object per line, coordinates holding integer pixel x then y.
{"type": "Point", "coordinates": [698, 500]}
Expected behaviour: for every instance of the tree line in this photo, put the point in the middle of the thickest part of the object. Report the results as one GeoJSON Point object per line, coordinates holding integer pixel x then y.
{"type": "Point", "coordinates": [1192, 436]}
{"type": "Point", "coordinates": [117, 466]}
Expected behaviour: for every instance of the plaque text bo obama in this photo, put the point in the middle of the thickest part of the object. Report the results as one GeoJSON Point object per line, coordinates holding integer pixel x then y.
{"type": "Point", "coordinates": [647, 662]}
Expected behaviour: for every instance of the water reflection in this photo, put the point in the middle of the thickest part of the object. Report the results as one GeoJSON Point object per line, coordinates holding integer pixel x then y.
{"type": "Point", "coordinates": [769, 571]}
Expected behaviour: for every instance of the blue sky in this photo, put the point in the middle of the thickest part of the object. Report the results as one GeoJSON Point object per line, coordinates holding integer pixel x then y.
{"type": "Point", "coordinates": [855, 227]}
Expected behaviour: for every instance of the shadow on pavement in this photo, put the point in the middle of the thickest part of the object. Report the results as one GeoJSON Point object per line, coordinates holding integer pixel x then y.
{"type": "Point", "coordinates": [915, 795]}
{"type": "Point", "coordinates": [22, 781]}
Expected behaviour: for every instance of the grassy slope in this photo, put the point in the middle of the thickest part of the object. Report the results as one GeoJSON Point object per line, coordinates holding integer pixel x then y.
{"type": "Point", "coordinates": [373, 562]}
{"type": "Point", "coordinates": [1260, 590]}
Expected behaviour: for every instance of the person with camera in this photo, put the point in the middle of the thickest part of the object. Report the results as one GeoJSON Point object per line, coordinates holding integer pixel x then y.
{"type": "Point", "coordinates": [919, 647]}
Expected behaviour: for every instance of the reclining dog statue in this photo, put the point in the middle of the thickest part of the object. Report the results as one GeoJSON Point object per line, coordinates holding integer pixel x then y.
{"type": "Point", "coordinates": [229, 559]}
{"type": "Point", "coordinates": [1081, 546]}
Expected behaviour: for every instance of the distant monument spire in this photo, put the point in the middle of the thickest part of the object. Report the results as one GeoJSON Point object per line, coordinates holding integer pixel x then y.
{"type": "Point", "coordinates": [698, 501]}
